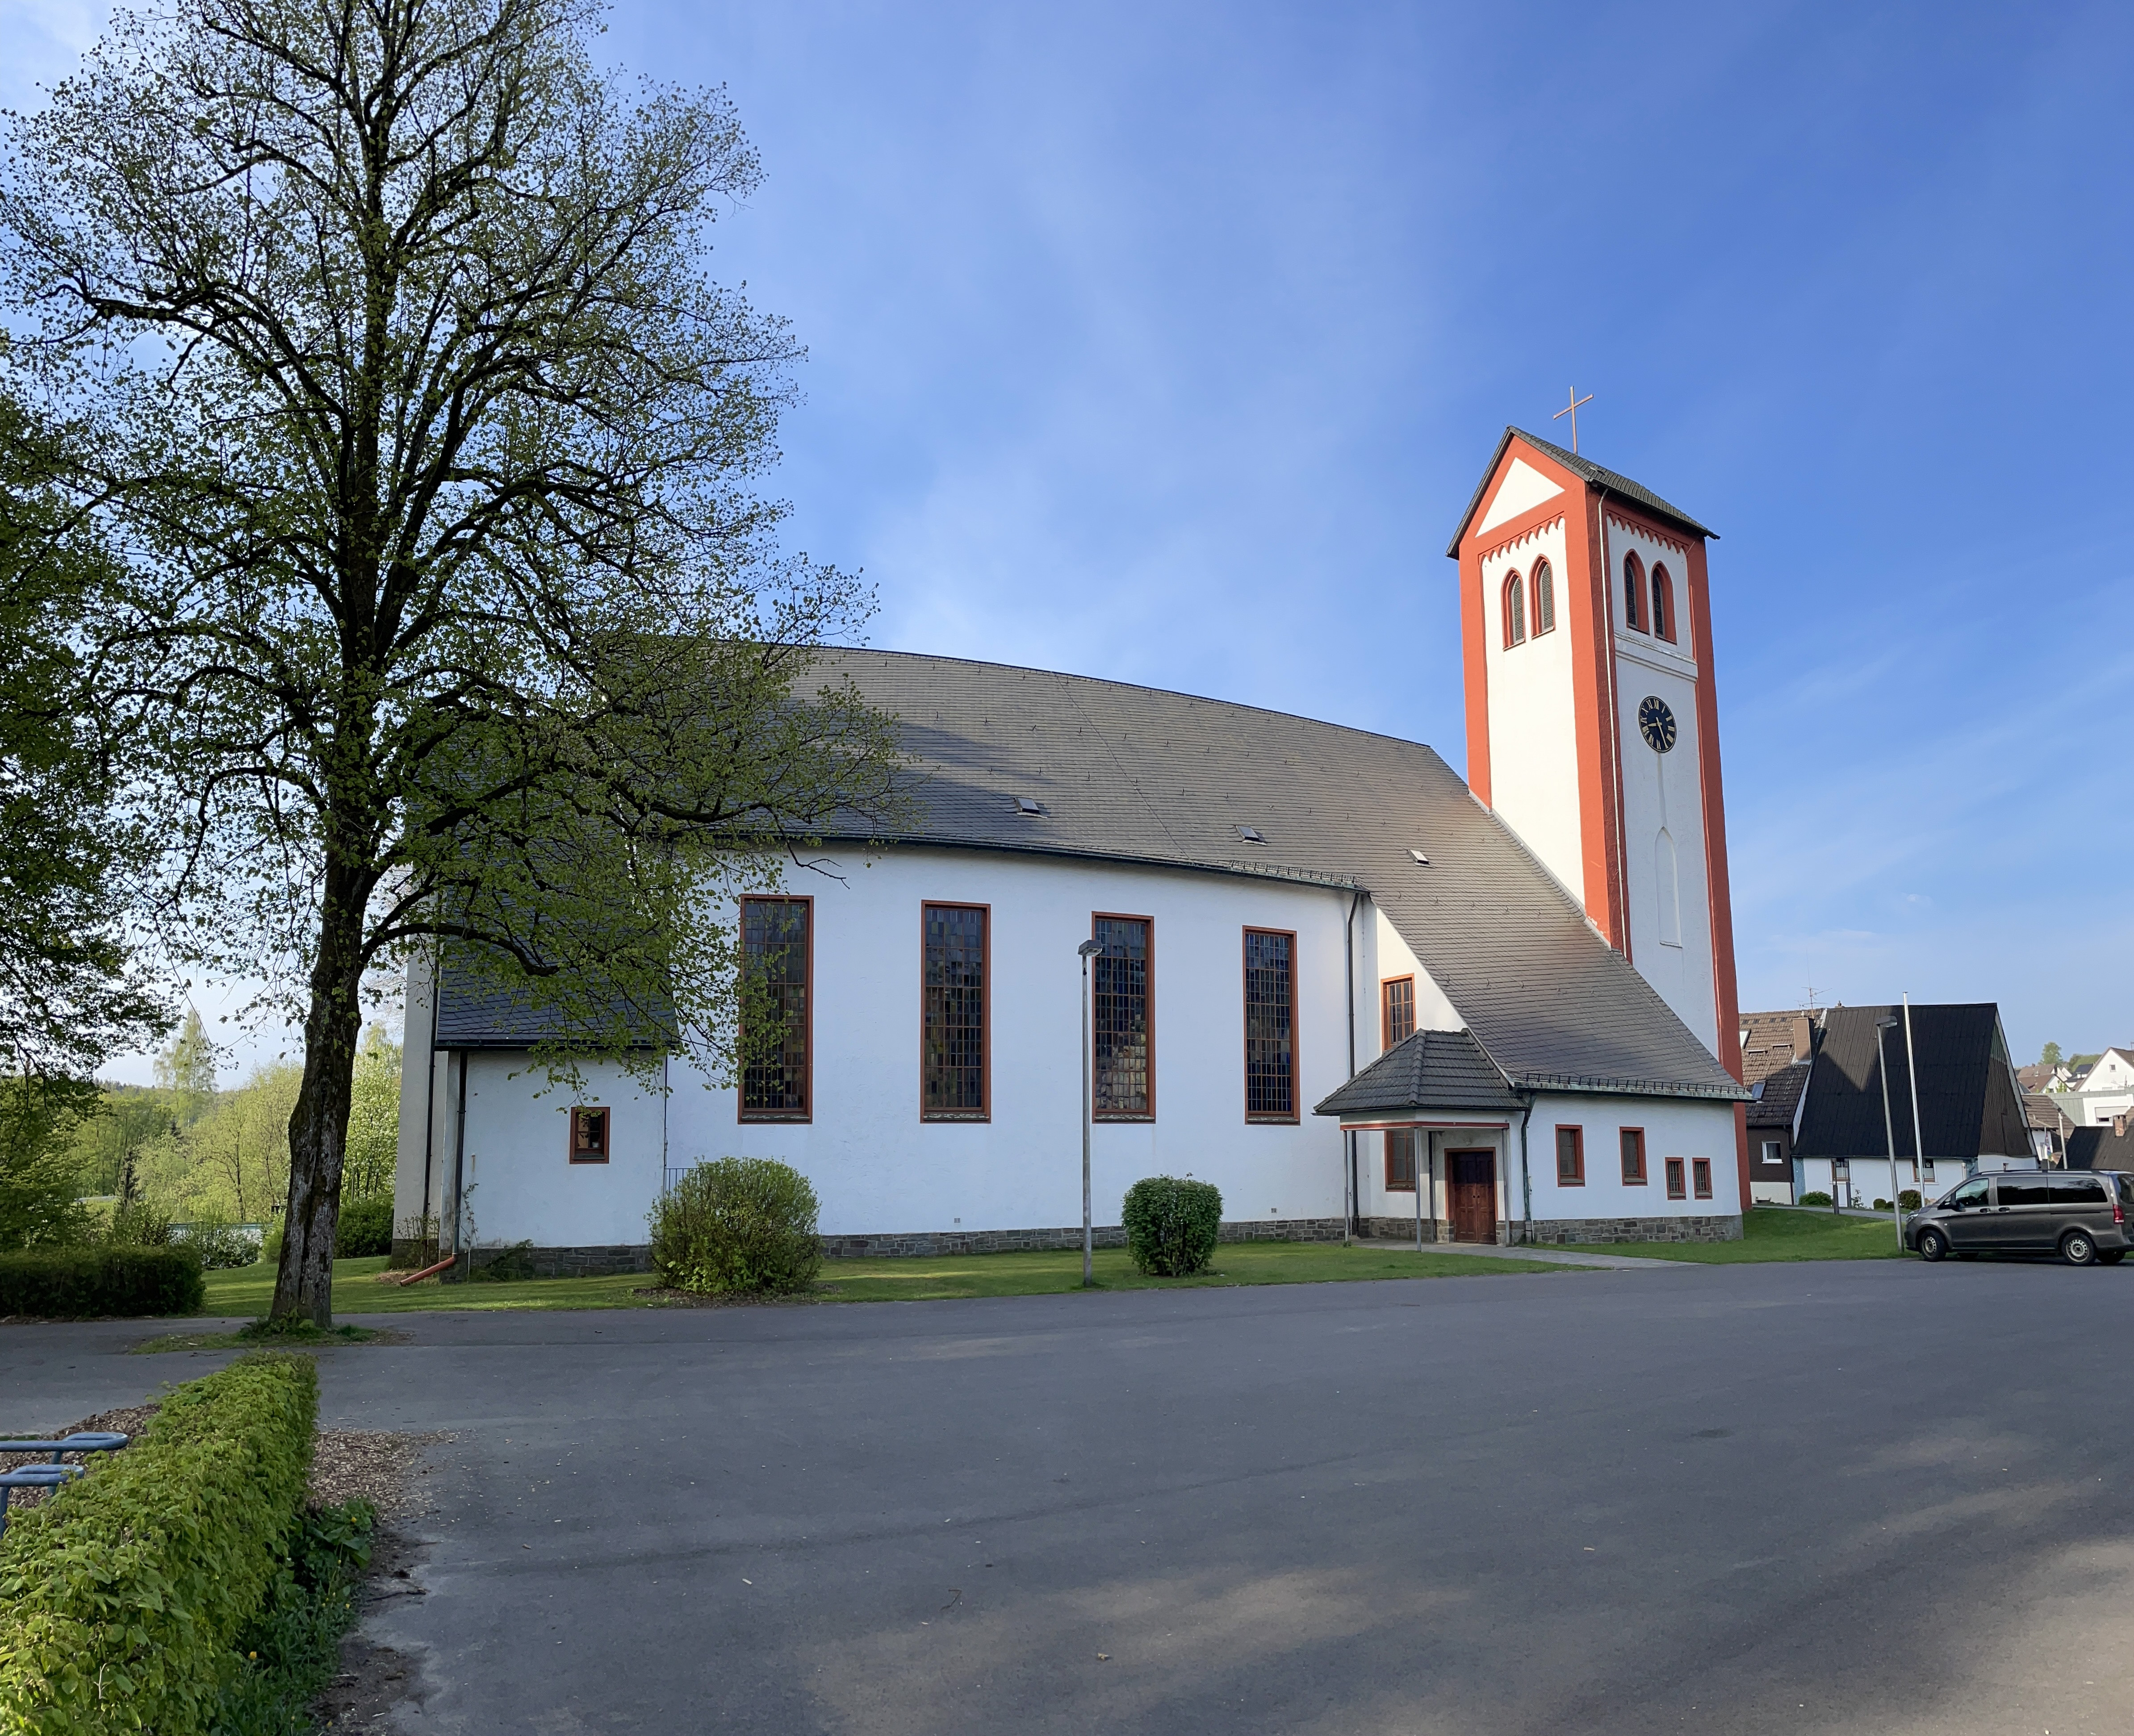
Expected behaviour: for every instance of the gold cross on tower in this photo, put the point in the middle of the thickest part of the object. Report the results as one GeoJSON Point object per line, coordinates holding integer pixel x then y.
{"type": "Point", "coordinates": [1570, 410]}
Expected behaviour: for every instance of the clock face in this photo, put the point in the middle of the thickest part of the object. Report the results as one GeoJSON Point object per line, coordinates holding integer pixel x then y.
{"type": "Point", "coordinates": [1656, 724]}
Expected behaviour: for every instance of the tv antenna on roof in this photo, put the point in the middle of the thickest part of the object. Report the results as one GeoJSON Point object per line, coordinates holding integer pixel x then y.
{"type": "Point", "coordinates": [1570, 410]}
{"type": "Point", "coordinates": [1810, 992]}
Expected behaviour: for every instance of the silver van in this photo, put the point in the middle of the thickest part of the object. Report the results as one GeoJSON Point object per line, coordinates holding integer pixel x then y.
{"type": "Point", "coordinates": [2080, 1214]}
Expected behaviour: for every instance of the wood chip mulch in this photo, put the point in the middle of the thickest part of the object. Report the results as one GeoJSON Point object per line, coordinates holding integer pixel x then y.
{"type": "Point", "coordinates": [347, 1464]}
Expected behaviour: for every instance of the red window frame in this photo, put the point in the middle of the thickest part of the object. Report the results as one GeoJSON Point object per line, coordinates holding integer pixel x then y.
{"type": "Point", "coordinates": [1512, 596]}
{"type": "Point", "coordinates": [1148, 1012]}
{"type": "Point", "coordinates": [1634, 585]}
{"type": "Point", "coordinates": [1676, 1187]}
{"type": "Point", "coordinates": [1387, 1021]}
{"type": "Point", "coordinates": [581, 1149]}
{"type": "Point", "coordinates": [1632, 1140]}
{"type": "Point", "coordinates": [1268, 1117]}
{"type": "Point", "coordinates": [1699, 1172]}
{"type": "Point", "coordinates": [1572, 1175]}
{"type": "Point", "coordinates": [1413, 1137]}
{"type": "Point", "coordinates": [984, 1111]}
{"type": "Point", "coordinates": [1541, 598]}
{"type": "Point", "coordinates": [806, 1112]}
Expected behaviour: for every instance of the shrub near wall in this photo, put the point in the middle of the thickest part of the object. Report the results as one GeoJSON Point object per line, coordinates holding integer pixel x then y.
{"type": "Point", "coordinates": [93, 1283]}
{"type": "Point", "coordinates": [740, 1224]}
{"type": "Point", "coordinates": [122, 1597]}
{"type": "Point", "coordinates": [1172, 1224]}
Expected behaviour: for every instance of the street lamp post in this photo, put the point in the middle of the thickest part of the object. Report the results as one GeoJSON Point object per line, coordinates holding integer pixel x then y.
{"type": "Point", "coordinates": [1087, 951]}
{"type": "Point", "coordinates": [1882, 1028]}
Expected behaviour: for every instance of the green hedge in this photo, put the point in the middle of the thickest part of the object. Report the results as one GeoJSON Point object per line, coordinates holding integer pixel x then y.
{"type": "Point", "coordinates": [89, 1282]}
{"type": "Point", "coordinates": [122, 1599]}
{"type": "Point", "coordinates": [1172, 1224]}
{"type": "Point", "coordinates": [364, 1228]}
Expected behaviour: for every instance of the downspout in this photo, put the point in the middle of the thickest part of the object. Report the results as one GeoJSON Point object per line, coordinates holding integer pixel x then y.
{"type": "Point", "coordinates": [459, 1168]}
{"type": "Point", "coordinates": [1526, 1179]}
{"type": "Point", "coordinates": [1348, 978]}
{"type": "Point", "coordinates": [429, 1113]}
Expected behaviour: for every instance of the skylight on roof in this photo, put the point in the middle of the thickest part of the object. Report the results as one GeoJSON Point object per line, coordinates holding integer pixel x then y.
{"type": "Point", "coordinates": [1419, 857]}
{"type": "Point", "coordinates": [1252, 835]}
{"type": "Point", "coordinates": [1025, 804]}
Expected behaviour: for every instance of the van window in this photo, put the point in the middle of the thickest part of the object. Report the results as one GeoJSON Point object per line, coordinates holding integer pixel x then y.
{"type": "Point", "coordinates": [2032, 1191]}
{"type": "Point", "coordinates": [1971, 1196]}
{"type": "Point", "coordinates": [2127, 1188]}
{"type": "Point", "coordinates": [2069, 1189]}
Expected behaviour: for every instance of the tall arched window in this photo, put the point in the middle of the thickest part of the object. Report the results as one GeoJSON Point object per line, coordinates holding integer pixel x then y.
{"type": "Point", "coordinates": [1544, 598]}
{"type": "Point", "coordinates": [1515, 611]}
{"type": "Point", "coordinates": [1662, 602]}
{"type": "Point", "coordinates": [1634, 587]}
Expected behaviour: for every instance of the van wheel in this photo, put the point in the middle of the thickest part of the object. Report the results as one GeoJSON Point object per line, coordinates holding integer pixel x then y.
{"type": "Point", "coordinates": [2079, 1248]}
{"type": "Point", "coordinates": [1933, 1245]}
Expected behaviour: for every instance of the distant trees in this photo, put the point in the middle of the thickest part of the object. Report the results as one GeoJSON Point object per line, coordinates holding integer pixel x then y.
{"type": "Point", "coordinates": [2049, 1056]}
{"type": "Point", "coordinates": [451, 616]}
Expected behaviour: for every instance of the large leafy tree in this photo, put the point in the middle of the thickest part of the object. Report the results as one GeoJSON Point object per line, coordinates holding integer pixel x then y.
{"type": "Point", "coordinates": [453, 615]}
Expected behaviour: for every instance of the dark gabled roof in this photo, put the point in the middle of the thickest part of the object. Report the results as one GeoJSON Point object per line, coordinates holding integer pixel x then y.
{"type": "Point", "coordinates": [1595, 475]}
{"type": "Point", "coordinates": [1776, 1104]}
{"type": "Point", "coordinates": [1968, 1102]}
{"type": "Point", "coordinates": [1136, 775]}
{"type": "Point", "coordinates": [1430, 1070]}
{"type": "Point", "coordinates": [2100, 1148]}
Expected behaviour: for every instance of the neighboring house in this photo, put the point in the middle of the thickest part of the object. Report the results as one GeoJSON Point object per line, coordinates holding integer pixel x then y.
{"type": "Point", "coordinates": [2108, 1147]}
{"type": "Point", "coordinates": [1773, 1122]}
{"type": "Point", "coordinates": [2105, 1090]}
{"type": "Point", "coordinates": [2050, 1125]}
{"type": "Point", "coordinates": [1973, 1114]}
{"type": "Point", "coordinates": [1770, 1041]}
{"type": "Point", "coordinates": [1542, 955]}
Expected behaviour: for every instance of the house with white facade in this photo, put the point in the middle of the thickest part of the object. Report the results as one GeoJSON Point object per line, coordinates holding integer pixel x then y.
{"type": "Point", "coordinates": [2105, 1092]}
{"type": "Point", "coordinates": [1351, 989]}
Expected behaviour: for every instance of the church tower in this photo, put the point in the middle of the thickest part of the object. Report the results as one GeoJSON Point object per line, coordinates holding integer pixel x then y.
{"type": "Point", "coordinates": [1592, 723]}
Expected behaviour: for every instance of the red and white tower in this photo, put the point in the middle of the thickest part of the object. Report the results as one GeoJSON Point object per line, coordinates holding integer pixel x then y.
{"type": "Point", "coordinates": [1592, 720]}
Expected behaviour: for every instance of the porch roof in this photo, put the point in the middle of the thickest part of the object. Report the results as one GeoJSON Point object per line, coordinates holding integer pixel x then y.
{"type": "Point", "coordinates": [1432, 1070]}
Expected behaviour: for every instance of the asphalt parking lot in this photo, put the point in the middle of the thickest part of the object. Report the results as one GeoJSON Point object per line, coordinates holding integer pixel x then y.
{"type": "Point", "coordinates": [1810, 1497]}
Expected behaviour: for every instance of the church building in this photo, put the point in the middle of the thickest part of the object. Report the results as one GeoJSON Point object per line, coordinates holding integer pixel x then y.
{"type": "Point", "coordinates": [1353, 991]}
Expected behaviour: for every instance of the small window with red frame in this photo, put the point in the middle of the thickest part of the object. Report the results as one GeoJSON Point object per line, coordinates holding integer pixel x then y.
{"type": "Point", "coordinates": [1699, 1170]}
{"type": "Point", "coordinates": [589, 1131]}
{"type": "Point", "coordinates": [1675, 1188]}
{"type": "Point", "coordinates": [1571, 1157]}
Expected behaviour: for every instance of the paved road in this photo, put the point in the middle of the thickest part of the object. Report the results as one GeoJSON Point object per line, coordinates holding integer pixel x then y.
{"type": "Point", "coordinates": [1801, 1498]}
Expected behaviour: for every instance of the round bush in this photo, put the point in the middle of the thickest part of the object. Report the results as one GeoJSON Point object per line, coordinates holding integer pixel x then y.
{"type": "Point", "coordinates": [1172, 1224]}
{"type": "Point", "coordinates": [1909, 1200]}
{"type": "Point", "coordinates": [741, 1224]}
{"type": "Point", "coordinates": [1816, 1199]}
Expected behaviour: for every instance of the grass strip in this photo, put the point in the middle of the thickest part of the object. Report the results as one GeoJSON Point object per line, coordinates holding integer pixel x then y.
{"type": "Point", "coordinates": [1773, 1233]}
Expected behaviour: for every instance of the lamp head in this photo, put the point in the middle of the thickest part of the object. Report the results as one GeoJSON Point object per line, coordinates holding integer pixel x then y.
{"type": "Point", "coordinates": [1885, 1025]}
{"type": "Point", "coordinates": [1090, 949]}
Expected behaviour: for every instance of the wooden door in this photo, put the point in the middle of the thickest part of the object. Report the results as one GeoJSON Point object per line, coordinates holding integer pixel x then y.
{"type": "Point", "coordinates": [1471, 1186]}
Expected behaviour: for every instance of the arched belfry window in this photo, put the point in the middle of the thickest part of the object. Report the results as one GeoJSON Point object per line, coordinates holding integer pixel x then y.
{"type": "Point", "coordinates": [1662, 602]}
{"type": "Point", "coordinates": [1515, 611]}
{"type": "Point", "coordinates": [1544, 598]}
{"type": "Point", "coordinates": [1634, 587]}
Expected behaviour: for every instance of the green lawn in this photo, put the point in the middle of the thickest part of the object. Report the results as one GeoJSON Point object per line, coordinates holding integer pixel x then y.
{"type": "Point", "coordinates": [247, 1290]}
{"type": "Point", "coordinates": [1774, 1233]}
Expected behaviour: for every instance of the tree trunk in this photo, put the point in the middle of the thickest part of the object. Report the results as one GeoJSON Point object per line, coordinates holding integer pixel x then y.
{"type": "Point", "coordinates": [318, 1127]}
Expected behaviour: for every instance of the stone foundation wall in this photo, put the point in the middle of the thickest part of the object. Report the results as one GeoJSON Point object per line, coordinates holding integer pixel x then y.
{"type": "Point", "coordinates": [929, 1244]}
{"type": "Point", "coordinates": [1403, 1229]}
{"type": "Point", "coordinates": [1717, 1227]}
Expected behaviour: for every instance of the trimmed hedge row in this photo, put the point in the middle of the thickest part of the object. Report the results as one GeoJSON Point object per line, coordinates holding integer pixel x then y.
{"type": "Point", "coordinates": [121, 1599]}
{"type": "Point", "coordinates": [364, 1228]}
{"type": "Point", "coordinates": [89, 1282]}
{"type": "Point", "coordinates": [1172, 1224]}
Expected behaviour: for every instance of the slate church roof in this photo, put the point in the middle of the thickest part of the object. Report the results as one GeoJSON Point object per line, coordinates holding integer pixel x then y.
{"type": "Point", "coordinates": [1136, 775]}
{"type": "Point", "coordinates": [1596, 476]}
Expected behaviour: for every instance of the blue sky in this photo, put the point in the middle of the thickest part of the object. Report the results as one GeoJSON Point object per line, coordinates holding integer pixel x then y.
{"type": "Point", "coordinates": [1166, 342]}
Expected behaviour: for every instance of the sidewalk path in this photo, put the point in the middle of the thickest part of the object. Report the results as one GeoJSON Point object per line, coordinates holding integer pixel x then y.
{"type": "Point", "coordinates": [1547, 1256]}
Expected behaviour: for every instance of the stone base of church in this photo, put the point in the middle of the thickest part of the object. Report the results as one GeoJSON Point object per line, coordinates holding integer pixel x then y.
{"type": "Point", "coordinates": [928, 1244]}
{"type": "Point", "coordinates": [1714, 1227]}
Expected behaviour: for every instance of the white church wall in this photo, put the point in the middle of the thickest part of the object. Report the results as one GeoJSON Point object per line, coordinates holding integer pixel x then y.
{"type": "Point", "coordinates": [1687, 1128]}
{"type": "Point", "coordinates": [875, 1166]}
{"type": "Point", "coordinates": [417, 1095]}
{"type": "Point", "coordinates": [1383, 955]}
{"type": "Point", "coordinates": [1533, 726]}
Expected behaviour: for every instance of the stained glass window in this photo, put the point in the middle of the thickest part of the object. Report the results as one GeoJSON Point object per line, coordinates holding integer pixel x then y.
{"type": "Point", "coordinates": [952, 1069]}
{"type": "Point", "coordinates": [1270, 1026]}
{"type": "Point", "coordinates": [774, 1078]}
{"type": "Point", "coordinates": [1124, 1079]}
